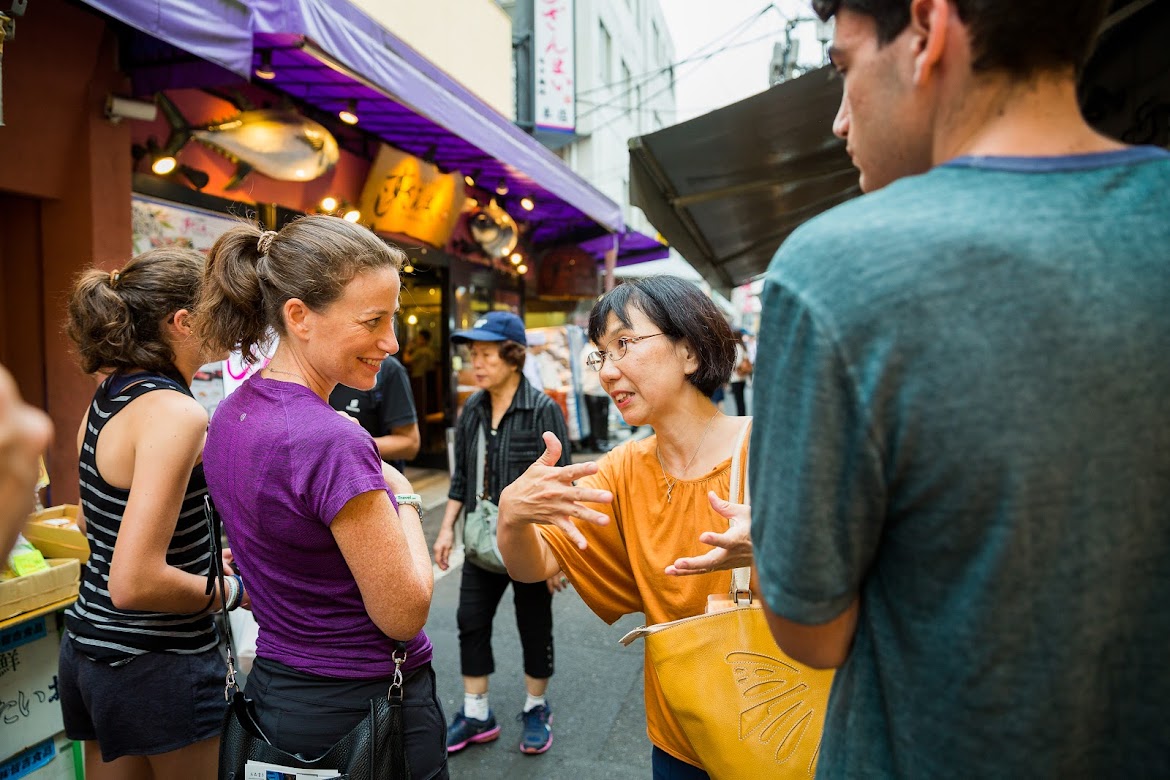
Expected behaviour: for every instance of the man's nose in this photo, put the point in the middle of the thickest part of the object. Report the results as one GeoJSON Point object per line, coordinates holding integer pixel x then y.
{"type": "Point", "coordinates": [841, 121]}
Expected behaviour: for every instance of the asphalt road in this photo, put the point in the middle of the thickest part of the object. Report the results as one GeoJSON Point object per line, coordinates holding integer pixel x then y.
{"type": "Point", "coordinates": [599, 719]}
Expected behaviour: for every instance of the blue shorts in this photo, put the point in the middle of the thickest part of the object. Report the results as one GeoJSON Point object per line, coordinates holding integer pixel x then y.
{"type": "Point", "coordinates": [156, 703]}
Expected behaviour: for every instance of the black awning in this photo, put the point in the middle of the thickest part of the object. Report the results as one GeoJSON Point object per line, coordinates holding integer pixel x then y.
{"type": "Point", "coordinates": [725, 189]}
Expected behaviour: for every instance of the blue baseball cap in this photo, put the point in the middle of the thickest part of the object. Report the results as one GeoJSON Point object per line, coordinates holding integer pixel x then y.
{"type": "Point", "coordinates": [494, 326]}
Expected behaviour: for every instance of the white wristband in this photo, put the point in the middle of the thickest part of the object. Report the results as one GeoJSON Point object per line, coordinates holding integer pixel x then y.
{"type": "Point", "coordinates": [410, 499]}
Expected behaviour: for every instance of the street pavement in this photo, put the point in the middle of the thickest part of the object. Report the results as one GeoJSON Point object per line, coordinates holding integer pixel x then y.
{"type": "Point", "coordinates": [599, 718]}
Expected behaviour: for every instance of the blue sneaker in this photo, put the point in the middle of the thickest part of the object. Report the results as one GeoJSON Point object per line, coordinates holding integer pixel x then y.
{"type": "Point", "coordinates": [537, 736]}
{"type": "Point", "coordinates": [464, 730]}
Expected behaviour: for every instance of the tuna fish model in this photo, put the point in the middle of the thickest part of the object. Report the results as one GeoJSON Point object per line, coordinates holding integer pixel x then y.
{"type": "Point", "coordinates": [279, 143]}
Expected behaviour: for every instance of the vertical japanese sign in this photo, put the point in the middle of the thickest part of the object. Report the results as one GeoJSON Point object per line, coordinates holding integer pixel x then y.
{"type": "Point", "coordinates": [555, 77]}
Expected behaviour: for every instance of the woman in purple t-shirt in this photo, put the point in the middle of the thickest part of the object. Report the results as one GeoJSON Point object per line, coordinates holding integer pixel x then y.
{"type": "Point", "coordinates": [337, 568]}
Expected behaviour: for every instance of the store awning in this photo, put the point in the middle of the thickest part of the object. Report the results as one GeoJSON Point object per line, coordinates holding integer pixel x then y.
{"type": "Point", "coordinates": [327, 54]}
{"type": "Point", "coordinates": [633, 247]}
{"type": "Point", "coordinates": [727, 188]}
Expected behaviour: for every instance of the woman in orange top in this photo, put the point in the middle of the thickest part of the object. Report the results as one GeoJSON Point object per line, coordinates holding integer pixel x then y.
{"type": "Point", "coordinates": [663, 347]}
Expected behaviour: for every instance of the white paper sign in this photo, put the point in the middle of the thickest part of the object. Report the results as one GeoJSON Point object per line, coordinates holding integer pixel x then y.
{"type": "Point", "coordinates": [259, 770]}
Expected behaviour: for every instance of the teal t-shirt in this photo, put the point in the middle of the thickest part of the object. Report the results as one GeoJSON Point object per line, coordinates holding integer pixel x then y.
{"type": "Point", "coordinates": [963, 419]}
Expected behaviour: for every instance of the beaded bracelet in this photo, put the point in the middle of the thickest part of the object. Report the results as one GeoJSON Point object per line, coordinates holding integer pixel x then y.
{"type": "Point", "coordinates": [238, 595]}
{"type": "Point", "coordinates": [234, 591]}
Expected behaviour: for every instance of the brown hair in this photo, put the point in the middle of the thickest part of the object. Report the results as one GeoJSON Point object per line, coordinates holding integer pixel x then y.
{"type": "Point", "coordinates": [252, 273]}
{"type": "Point", "coordinates": [115, 317]}
{"type": "Point", "coordinates": [513, 354]}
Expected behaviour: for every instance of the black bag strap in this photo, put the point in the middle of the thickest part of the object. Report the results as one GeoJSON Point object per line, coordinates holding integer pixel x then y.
{"type": "Point", "coordinates": [216, 572]}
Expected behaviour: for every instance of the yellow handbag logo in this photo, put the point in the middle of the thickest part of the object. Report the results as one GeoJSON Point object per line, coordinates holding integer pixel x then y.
{"type": "Point", "coordinates": [781, 708]}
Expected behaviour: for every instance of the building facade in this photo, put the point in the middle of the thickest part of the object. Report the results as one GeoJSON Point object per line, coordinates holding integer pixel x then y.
{"type": "Point", "coordinates": [624, 86]}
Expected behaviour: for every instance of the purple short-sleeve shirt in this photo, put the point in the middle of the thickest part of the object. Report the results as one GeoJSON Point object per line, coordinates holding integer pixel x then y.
{"type": "Point", "coordinates": [280, 464]}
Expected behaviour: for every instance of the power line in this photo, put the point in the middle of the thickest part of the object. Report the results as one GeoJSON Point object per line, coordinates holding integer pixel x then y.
{"type": "Point", "coordinates": [695, 55]}
{"type": "Point", "coordinates": [728, 47]}
{"type": "Point", "coordinates": [705, 58]}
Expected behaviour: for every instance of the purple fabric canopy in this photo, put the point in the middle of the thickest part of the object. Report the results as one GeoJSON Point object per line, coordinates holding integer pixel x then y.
{"type": "Point", "coordinates": [328, 54]}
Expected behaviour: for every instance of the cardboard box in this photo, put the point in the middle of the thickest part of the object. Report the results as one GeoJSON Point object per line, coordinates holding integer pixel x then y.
{"type": "Point", "coordinates": [24, 594]}
{"type": "Point", "coordinates": [54, 532]}
{"type": "Point", "coordinates": [30, 706]}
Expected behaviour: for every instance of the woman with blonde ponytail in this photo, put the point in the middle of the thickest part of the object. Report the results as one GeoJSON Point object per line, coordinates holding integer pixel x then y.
{"type": "Point", "coordinates": [141, 679]}
{"type": "Point", "coordinates": [332, 545]}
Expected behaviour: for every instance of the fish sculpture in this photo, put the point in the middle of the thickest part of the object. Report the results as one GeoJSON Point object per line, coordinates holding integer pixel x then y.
{"type": "Point", "coordinates": [279, 143]}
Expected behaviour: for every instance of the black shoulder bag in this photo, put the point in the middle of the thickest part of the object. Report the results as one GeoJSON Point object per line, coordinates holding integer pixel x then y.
{"type": "Point", "coordinates": [373, 750]}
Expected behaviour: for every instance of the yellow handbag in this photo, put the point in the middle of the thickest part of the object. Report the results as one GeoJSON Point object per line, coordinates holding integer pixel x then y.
{"type": "Point", "coordinates": [747, 709]}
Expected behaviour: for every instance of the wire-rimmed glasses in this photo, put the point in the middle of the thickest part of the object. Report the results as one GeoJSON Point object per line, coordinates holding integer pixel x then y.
{"type": "Point", "coordinates": [596, 360]}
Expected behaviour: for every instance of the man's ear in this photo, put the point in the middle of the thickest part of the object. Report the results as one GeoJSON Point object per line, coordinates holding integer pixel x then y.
{"type": "Point", "coordinates": [930, 24]}
{"type": "Point", "coordinates": [296, 315]}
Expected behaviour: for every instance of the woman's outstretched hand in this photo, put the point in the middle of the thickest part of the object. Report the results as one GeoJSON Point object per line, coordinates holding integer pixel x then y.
{"type": "Point", "coordinates": [545, 494]}
{"type": "Point", "coordinates": [733, 549]}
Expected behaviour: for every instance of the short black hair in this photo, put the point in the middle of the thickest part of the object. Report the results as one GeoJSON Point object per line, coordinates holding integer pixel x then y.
{"type": "Point", "coordinates": [1020, 37]}
{"type": "Point", "coordinates": [680, 311]}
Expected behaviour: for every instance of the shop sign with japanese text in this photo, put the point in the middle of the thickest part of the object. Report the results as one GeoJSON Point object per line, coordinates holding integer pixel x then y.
{"type": "Point", "coordinates": [406, 195]}
{"type": "Point", "coordinates": [555, 77]}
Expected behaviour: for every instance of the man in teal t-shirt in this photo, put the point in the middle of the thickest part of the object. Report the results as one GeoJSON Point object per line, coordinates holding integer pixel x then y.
{"type": "Point", "coordinates": [961, 455]}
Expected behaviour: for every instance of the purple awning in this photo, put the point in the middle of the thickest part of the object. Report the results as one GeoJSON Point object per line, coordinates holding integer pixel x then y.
{"type": "Point", "coordinates": [633, 247]}
{"type": "Point", "coordinates": [330, 53]}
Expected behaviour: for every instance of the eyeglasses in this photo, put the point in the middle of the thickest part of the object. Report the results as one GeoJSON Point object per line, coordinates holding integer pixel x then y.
{"type": "Point", "coordinates": [596, 360]}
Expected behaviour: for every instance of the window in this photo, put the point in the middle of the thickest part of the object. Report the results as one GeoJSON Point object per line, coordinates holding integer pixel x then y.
{"type": "Point", "coordinates": [605, 56]}
{"type": "Point", "coordinates": [626, 87]}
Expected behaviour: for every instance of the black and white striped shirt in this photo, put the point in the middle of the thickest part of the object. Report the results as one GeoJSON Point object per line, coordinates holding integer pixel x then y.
{"type": "Point", "coordinates": [100, 630]}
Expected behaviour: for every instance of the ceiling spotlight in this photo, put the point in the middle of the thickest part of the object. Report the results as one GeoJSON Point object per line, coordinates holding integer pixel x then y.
{"type": "Point", "coordinates": [329, 203]}
{"type": "Point", "coordinates": [517, 258]}
{"type": "Point", "coordinates": [502, 188]}
{"type": "Point", "coordinates": [527, 204]}
{"type": "Point", "coordinates": [411, 319]}
{"type": "Point", "coordinates": [349, 113]}
{"type": "Point", "coordinates": [265, 71]}
{"type": "Point", "coordinates": [164, 165]}
{"type": "Point", "coordinates": [353, 215]}
{"type": "Point", "coordinates": [408, 269]}
{"type": "Point", "coordinates": [522, 269]}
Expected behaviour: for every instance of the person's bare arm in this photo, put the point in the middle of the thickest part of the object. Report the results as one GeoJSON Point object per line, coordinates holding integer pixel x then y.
{"type": "Point", "coordinates": [24, 434]}
{"type": "Point", "coordinates": [389, 560]}
{"type": "Point", "coordinates": [402, 443]}
{"type": "Point", "coordinates": [445, 541]}
{"type": "Point", "coordinates": [824, 646]}
{"type": "Point", "coordinates": [168, 430]}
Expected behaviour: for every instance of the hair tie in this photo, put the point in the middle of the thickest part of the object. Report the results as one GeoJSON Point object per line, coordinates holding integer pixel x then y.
{"type": "Point", "coordinates": [114, 277]}
{"type": "Point", "coordinates": [265, 241]}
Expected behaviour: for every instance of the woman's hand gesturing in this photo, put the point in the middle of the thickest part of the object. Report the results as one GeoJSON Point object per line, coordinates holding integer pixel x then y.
{"type": "Point", "coordinates": [545, 494]}
{"type": "Point", "coordinates": [733, 549]}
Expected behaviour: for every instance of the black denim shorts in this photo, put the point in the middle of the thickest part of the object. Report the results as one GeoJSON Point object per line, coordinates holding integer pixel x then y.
{"type": "Point", "coordinates": [155, 703]}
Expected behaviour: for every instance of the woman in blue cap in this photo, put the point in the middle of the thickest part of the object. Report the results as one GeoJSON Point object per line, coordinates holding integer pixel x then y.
{"type": "Point", "coordinates": [504, 421]}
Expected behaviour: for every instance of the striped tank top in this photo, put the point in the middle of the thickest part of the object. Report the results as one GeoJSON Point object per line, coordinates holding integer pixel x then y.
{"type": "Point", "coordinates": [97, 627]}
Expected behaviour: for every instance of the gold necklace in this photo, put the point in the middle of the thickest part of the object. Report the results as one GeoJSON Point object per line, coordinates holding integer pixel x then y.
{"type": "Point", "coordinates": [670, 483]}
{"type": "Point", "coordinates": [286, 373]}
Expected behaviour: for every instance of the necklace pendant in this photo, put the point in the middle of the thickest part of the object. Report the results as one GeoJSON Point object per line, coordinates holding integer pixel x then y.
{"type": "Point", "coordinates": [669, 490]}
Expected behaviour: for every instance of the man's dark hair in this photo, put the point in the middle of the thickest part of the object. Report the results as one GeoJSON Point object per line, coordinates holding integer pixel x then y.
{"type": "Point", "coordinates": [682, 312]}
{"type": "Point", "coordinates": [1021, 37]}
